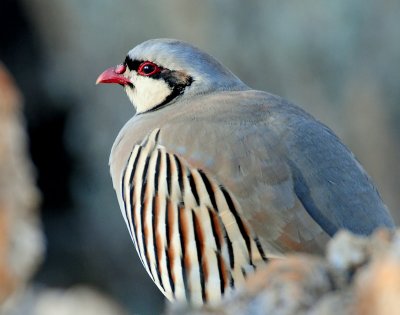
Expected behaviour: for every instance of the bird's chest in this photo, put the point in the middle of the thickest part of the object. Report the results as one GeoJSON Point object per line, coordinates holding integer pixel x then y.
{"type": "Point", "coordinates": [186, 227]}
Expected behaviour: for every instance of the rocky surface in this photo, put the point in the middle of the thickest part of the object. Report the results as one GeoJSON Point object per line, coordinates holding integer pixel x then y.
{"type": "Point", "coordinates": [358, 276]}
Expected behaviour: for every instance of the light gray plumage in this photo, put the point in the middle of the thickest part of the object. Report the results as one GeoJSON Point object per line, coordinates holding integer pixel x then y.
{"type": "Point", "coordinates": [292, 182]}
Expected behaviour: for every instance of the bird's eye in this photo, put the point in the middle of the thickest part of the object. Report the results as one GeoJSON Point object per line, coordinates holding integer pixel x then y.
{"type": "Point", "coordinates": [148, 68]}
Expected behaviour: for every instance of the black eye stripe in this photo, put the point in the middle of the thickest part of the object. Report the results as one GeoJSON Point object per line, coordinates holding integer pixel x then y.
{"type": "Point", "coordinates": [132, 64]}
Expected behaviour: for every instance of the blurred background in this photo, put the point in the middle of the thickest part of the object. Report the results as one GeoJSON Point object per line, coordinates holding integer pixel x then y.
{"type": "Point", "coordinates": [340, 60]}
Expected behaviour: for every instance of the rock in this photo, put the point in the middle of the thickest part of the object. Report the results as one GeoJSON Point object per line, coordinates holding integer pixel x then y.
{"type": "Point", "coordinates": [284, 286]}
{"type": "Point", "coordinates": [358, 276]}
{"type": "Point", "coordinates": [346, 251]}
{"type": "Point", "coordinates": [78, 301]}
{"type": "Point", "coordinates": [21, 238]}
{"type": "Point", "coordinates": [333, 303]}
{"type": "Point", "coordinates": [377, 286]}
{"type": "Point", "coordinates": [288, 286]}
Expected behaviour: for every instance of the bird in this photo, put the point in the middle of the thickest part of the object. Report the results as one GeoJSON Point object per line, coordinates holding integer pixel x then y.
{"type": "Point", "coordinates": [215, 179]}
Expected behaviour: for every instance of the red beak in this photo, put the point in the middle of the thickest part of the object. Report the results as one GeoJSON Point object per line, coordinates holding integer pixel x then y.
{"type": "Point", "coordinates": [114, 75]}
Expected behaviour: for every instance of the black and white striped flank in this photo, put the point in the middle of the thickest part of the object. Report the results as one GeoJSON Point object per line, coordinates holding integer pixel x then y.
{"type": "Point", "coordinates": [187, 228]}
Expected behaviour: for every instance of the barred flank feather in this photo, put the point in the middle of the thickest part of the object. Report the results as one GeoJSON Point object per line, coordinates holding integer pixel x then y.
{"type": "Point", "coordinates": [186, 227]}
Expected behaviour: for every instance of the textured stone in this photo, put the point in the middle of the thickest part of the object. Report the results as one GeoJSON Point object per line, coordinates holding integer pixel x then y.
{"type": "Point", "coordinates": [359, 276]}
{"type": "Point", "coordinates": [377, 286]}
{"type": "Point", "coordinates": [288, 286]}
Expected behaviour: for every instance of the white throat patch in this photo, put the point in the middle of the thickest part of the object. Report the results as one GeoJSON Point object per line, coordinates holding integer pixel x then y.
{"type": "Point", "coordinates": [147, 92]}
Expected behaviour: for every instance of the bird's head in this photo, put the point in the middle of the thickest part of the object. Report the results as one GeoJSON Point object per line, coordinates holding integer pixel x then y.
{"type": "Point", "coordinates": [158, 72]}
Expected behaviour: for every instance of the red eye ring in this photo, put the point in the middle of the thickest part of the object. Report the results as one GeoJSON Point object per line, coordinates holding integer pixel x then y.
{"type": "Point", "coordinates": [148, 68]}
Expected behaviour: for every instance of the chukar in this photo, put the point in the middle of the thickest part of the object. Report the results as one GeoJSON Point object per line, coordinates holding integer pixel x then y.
{"type": "Point", "coordinates": [214, 178]}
